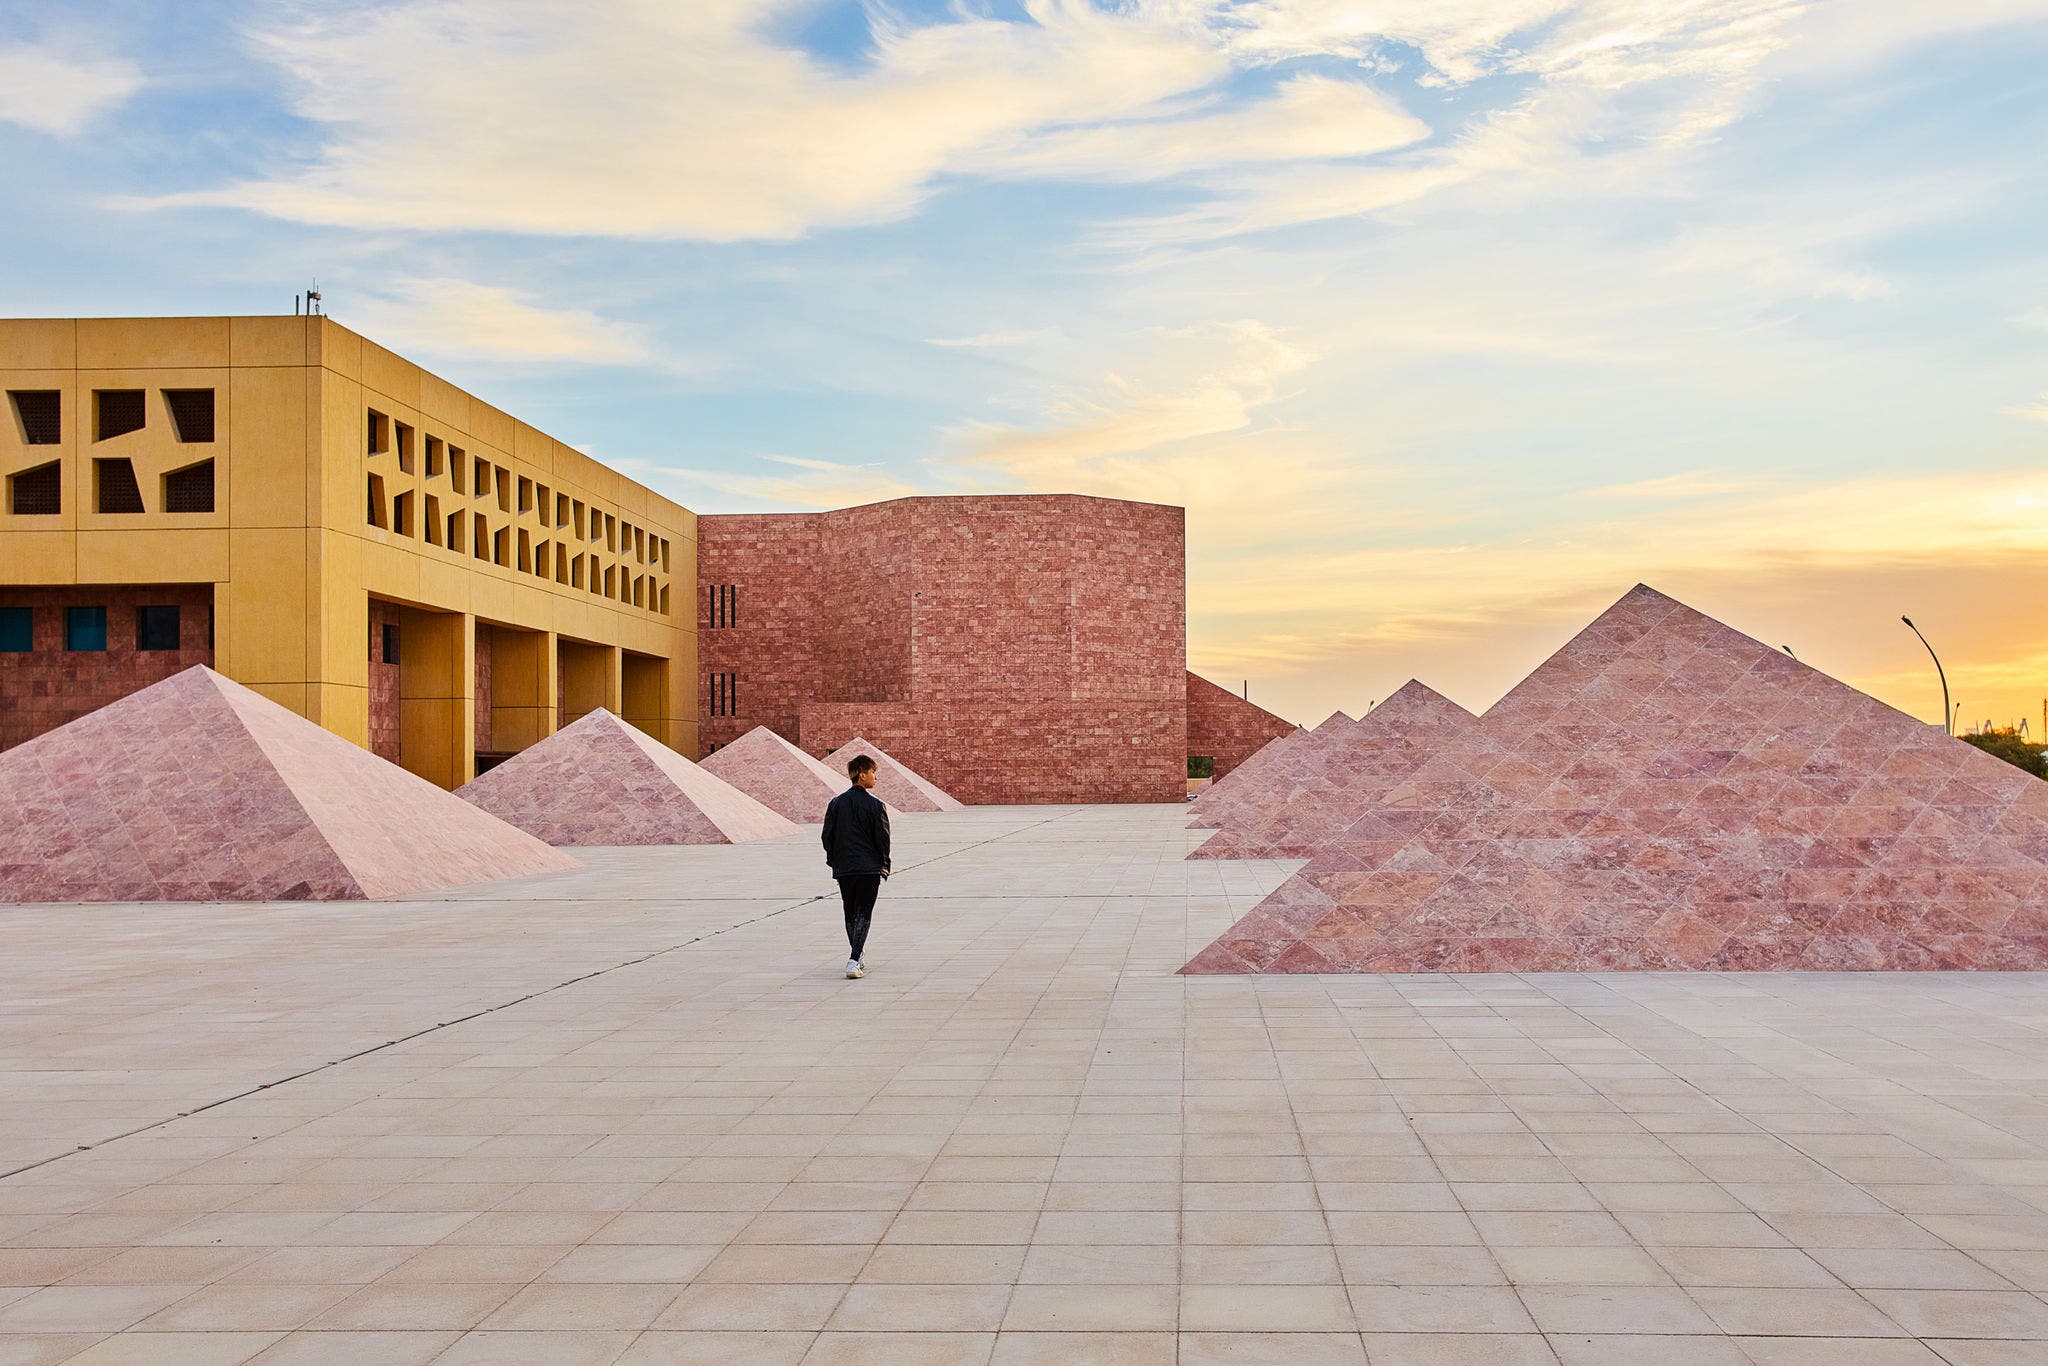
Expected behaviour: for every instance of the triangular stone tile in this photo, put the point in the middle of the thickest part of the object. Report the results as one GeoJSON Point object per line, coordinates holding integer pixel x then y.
{"type": "Point", "coordinates": [778, 775]}
{"type": "Point", "coordinates": [198, 789]}
{"type": "Point", "coordinates": [1667, 793]}
{"type": "Point", "coordinates": [1275, 782]}
{"type": "Point", "coordinates": [895, 783]}
{"type": "Point", "coordinates": [602, 781]}
{"type": "Point", "coordinates": [1312, 794]}
{"type": "Point", "coordinates": [1219, 798]}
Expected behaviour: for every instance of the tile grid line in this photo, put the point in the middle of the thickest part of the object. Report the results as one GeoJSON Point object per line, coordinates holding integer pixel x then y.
{"type": "Point", "coordinates": [491, 1010]}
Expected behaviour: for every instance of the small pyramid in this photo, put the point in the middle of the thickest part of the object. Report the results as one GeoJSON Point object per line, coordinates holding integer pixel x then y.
{"type": "Point", "coordinates": [895, 783]}
{"type": "Point", "coordinates": [1667, 793]}
{"type": "Point", "coordinates": [198, 789]}
{"type": "Point", "coordinates": [1317, 791]}
{"type": "Point", "coordinates": [1221, 801]}
{"type": "Point", "coordinates": [601, 781]}
{"type": "Point", "coordinates": [778, 775]}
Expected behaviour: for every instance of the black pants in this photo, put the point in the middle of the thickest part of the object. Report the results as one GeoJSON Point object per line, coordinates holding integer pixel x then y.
{"type": "Point", "coordinates": [857, 892]}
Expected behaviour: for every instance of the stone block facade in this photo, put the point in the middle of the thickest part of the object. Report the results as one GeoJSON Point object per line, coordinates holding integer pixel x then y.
{"type": "Point", "coordinates": [1227, 728]}
{"type": "Point", "coordinates": [1026, 648]}
{"type": "Point", "coordinates": [47, 685]}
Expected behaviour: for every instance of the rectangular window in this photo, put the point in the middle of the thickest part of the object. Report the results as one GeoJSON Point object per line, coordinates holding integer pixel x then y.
{"type": "Point", "coordinates": [724, 606]}
{"type": "Point", "coordinates": [404, 447]}
{"type": "Point", "coordinates": [156, 628]}
{"type": "Point", "coordinates": [116, 412]}
{"type": "Point", "coordinates": [434, 457]}
{"type": "Point", "coordinates": [724, 695]}
{"type": "Point", "coordinates": [17, 630]}
{"type": "Point", "coordinates": [458, 469]}
{"type": "Point", "coordinates": [191, 413]}
{"type": "Point", "coordinates": [379, 435]}
{"type": "Point", "coordinates": [390, 642]}
{"type": "Point", "coordinates": [85, 628]}
{"type": "Point", "coordinates": [40, 414]}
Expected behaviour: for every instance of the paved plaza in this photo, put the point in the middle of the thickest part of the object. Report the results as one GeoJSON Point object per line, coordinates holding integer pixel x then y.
{"type": "Point", "coordinates": [634, 1113]}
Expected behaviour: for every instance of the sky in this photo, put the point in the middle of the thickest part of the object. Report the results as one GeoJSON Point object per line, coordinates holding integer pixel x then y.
{"type": "Point", "coordinates": [1448, 321]}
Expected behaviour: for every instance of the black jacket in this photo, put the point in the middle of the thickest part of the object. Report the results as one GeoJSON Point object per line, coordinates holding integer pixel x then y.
{"type": "Point", "coordinates": [856, 833]}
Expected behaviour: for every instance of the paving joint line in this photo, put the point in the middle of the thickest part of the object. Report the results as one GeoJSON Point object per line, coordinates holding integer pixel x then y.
{"type": "Point", "coordinates": [492, 1010]}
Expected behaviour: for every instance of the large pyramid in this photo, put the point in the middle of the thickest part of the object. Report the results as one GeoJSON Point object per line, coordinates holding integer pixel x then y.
{"type": "Point", "coordinates": [601, 781]}
{"type": "Point", "coordinates": [778, 775]}
{"type": "Point", "coordinates": [895, 783]}
{"type": "Point", "coordinates": [1314, 794]}
{"type": "Point", "coordinates": [1666, 793]}
{"type": "Point", "coordinates": [197, 789]}
{"type": "Point", "coordinates": [1225, 800]}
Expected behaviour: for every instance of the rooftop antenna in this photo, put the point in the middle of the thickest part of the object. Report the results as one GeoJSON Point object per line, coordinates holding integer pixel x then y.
{"type": "Point", "coordinates": [313, 299]}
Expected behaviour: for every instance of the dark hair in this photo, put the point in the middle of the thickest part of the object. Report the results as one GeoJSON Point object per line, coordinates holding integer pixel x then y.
{"type": "Point", "coordinates": [858, 764]}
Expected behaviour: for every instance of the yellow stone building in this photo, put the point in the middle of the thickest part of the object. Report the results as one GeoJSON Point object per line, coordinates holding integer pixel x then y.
{"type": "Point", "coordinates": [331, 525]}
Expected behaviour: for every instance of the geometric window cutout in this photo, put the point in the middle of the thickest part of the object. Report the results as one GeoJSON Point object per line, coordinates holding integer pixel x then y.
{"type": "Point", "coordinates": [379, 511]}
{"type": "Point", "coordinates": [458, 470]}
{"type": "Point", "coordinates": [191, 413]}
{"type": "Point", "coordinates": [189, 489]}
{"type": "Point", "coordinates": [156, 628]}
{"type": "Point", "coordinates": [85, 628]}
{"type": "Point", "coordinates": [480, 540]}
{"type": "Point", "coordinates": [457, 521]}
{"type": "Point", "coordinates": [401, 514]}
{"type": "Point", "coordinates": [404, 447]}
{"type": "Point", "coordinates": [430, 516]}
{"type": "Point", "coordinates": [380, 433]}
{"type": "Point", "coordinates": [118, 491]}
{"type": "Point", "coordinates": [36, 493]}
{"type": "Point", "coordinates": [117, 412]}
{"type": "Point", "coordinates": [41, 415]}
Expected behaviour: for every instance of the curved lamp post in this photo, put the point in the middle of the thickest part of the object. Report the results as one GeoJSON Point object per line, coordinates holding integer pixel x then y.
{"type": "Point", "coordinates": [1947, 722]}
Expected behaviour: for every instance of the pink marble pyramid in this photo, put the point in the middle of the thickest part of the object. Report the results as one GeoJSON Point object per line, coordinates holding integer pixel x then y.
{"type": "Point", "coordinates": [197, 789]}
{"type": "Point", "coordinates": [1666, 793]}
{"type": "Point", "coordinates": [601, 781]}
{"type": "Point", "coordinates": [1249, 786]}
{"type": "Point", "coordinates": [778, 775]}
{"type": "Point", "coordinates": [1316, 791]}
{"type": "Point", "coordinates": [895, 783]}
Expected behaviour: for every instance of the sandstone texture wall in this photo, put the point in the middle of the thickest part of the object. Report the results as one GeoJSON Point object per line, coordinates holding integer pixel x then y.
{"type": "Point", "coordinates": [1027, 648]}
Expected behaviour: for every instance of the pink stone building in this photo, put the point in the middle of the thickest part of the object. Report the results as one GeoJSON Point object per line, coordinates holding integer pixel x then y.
{"type": "Point", "coordinates": [1014, 648]}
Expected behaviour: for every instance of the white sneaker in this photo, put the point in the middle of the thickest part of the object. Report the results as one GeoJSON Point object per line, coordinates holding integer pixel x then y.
{"type": "Point", "coordinates": [854, 968]}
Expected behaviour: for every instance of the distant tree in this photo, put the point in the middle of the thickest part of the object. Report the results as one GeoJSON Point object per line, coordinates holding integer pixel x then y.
{"type": "Point", "coordinates": [2007, 745]}
{"type": "Point", "coordinates": [1201, 766]}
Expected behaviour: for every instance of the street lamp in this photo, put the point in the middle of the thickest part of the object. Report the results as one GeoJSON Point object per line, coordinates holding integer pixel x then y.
{"type": "Point", "coordinates": [1947, 721]}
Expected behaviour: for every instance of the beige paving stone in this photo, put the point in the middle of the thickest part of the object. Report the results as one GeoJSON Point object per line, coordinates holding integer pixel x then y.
{"type": "Point", "coordinates": [900, 1349]}
{"type": "Point", "coordinates": [1092, 1308]}
{"type": "Point", "coordinates": [1267, 1349]}
{"type": "Point", "coordinates": [662, 1348]}
{"type": "Point", "coordinates": [353, 1349]}
{"type": "Point", "coordinates": [1096, 1349]}
{"type": "Point", "coordinates": [1022, 1112]}
{"type": "Point", "coordinates": [1458, 1349]}
{"type": "Point", "coordinates": [175, 1349]}
{"type": "Point", "coordinates": [1265, 1308]}
{"type": "Point", "coordinates": [910, 1308]}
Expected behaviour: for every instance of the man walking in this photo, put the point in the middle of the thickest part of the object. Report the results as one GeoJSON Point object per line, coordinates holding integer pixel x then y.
{"type": "Point", "coordinates": [856, 837]}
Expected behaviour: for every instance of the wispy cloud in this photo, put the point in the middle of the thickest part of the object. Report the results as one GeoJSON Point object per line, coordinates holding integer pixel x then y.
{"type": "Point", "coordinates": [794, 481]}
{"type": "Point", "coordinates": [2030, 412]}
{"type": "Point", "coordinates": [439, 316]}
{"type": "Point", "coordinates": [58, 89]}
